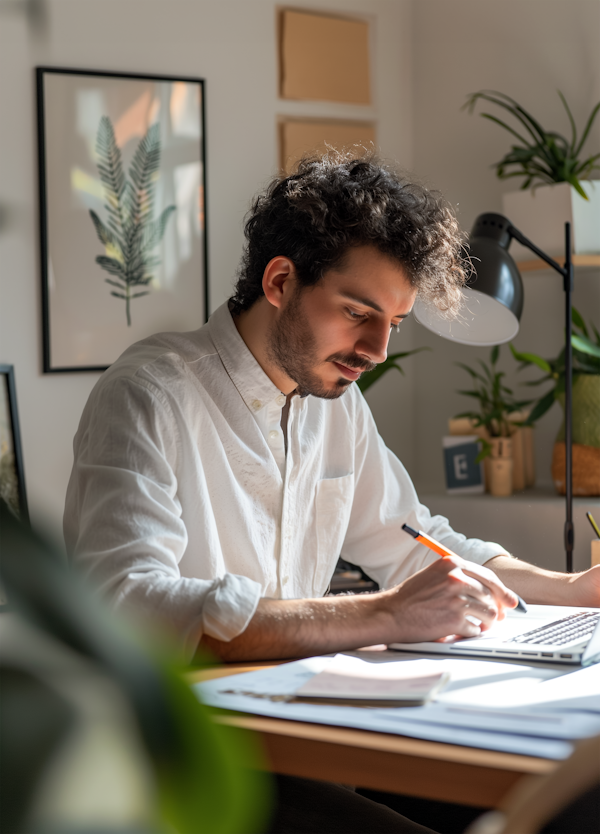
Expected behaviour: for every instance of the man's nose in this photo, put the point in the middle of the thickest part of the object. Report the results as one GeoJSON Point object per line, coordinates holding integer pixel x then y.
{"type": "Point", "coordinates": [373, 342]}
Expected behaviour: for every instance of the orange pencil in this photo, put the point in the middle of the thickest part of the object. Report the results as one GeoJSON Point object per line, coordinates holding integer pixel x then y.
{"type": "Point", "coordinates": [422, 537]}
{"type": "Point", "coordinates": [444, 552]}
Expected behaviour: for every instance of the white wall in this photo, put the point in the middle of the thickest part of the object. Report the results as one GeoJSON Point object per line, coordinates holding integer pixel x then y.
{"type": "Point", "coordinates": [527, 49]}
{"type": "Point", "coordinates": [231, 44]}
{"type": "Point", "coordinates": [428, 55]}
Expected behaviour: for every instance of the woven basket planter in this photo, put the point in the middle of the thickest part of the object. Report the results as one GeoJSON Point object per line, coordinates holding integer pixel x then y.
{"type": "Point", "coordinates": [586, 469]}
{"type": "Point", "coordinates": [586, 440]}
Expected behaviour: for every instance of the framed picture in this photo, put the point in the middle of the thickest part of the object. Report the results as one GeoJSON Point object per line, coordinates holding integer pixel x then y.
{"type": "Point", "coordinates": [464, 474]}
{"type": "Point", "coordinates": [12, 478]}
{"type": "Point", "coordinates": [122, 212]}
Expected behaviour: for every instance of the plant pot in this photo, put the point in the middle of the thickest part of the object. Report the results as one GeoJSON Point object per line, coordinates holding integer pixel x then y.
{"type": "Point", "coordinates": [502, 447]}
{"type": "Point", "coordinates": [541, 214]}
{"type": "Point", "coordinates": [500, 467]}
{"type": "Point", "coordinates": [501, 476]}
{"type": "Point", "coordinates": [586, 469]}
{"type": "Point", "coordinates": [586, 411]}
{"type": "Point", "coordinates": [586, 439]}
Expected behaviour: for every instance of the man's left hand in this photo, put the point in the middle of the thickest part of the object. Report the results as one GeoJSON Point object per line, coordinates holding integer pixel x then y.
{"type": "Point", "coordinates": [586, 587]}
{"type": "Point", "coordinates": [545, 587]}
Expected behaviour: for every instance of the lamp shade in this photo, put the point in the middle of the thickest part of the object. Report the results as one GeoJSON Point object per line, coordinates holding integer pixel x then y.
{"type": "Point", "coordinates": [493, 300]}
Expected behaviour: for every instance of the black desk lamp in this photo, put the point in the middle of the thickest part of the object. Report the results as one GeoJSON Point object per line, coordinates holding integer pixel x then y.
{"type": "Point", "coordinates": [492, 309]}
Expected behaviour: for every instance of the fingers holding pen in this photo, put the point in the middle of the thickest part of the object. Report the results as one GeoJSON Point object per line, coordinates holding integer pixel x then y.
{"type": "Point", "coordinates": [503, 596]}
{"type": "Point", "coordinates": [483, 613]}
{"type": "Point", "coordinates": [476, 604]}
{"type": "Point", "coordinates": [442, 600]}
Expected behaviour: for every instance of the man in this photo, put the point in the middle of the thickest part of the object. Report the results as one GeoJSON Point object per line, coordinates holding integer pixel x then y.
{"type": "Point", "coordinates": [220, 474]}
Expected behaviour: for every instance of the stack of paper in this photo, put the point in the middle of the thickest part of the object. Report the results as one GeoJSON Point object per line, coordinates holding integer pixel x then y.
{"type": "Point", "coordinates": [516, 708]}
{"type": "Point", "coordinates": [354, 682]}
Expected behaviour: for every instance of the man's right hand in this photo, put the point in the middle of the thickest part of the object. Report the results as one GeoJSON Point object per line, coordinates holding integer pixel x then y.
{"type": "Point", "coordinates": [433, 604]}
{"type": "Point", "coordinates": [451, 597]}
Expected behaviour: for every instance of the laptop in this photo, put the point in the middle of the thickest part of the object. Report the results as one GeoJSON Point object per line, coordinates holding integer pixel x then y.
{"type": "Point", "coordinates": [551, 633]}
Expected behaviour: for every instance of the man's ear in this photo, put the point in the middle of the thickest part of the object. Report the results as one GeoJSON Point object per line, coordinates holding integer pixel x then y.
{"type": "Point", "coordinates": [279, 280]}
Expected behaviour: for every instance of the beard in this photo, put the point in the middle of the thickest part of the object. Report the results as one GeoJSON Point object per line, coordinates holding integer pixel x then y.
{"type": "Point", "coordinates": [292, 346]}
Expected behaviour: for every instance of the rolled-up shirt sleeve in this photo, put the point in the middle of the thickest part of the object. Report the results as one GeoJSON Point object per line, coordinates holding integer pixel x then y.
{"type": "Point", "coordinates": [385, 499]}
{"type": "Point", "coordinates": [123, 526]}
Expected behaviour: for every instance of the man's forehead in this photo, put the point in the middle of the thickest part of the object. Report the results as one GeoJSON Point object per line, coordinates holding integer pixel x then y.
{"type": "Point", "coordinates": [373, 279]}
{"type": "Point", "coordinates": [365, 255]}
{"type": "Point", "coordinates": [364, 263]}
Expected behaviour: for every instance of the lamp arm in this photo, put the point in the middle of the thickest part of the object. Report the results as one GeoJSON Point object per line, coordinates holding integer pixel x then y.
{"type": "Point", "coordinates": [524, 241]}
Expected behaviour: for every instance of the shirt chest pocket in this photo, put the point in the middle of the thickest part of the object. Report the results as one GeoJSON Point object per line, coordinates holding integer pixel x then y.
{"type": "Point", "coordinates": [333, 501]}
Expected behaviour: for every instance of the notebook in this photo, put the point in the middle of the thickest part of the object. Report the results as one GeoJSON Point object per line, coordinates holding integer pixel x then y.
{"type": "Point", "coordinates": [552, 633]}
{"type": "Point", "coordinates": [352, 681]}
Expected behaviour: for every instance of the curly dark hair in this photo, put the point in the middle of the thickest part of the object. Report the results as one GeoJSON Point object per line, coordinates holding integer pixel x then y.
{"type": "Point", "coordinates": [337, 201]}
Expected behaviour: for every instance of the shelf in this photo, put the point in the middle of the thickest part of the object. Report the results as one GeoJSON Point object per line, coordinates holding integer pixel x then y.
{"type": "Point", "coordinates": [538, 263]}
{"type": "Point", "coordinates": [529, 524]}
{"type": "Point", "coordinates": [531, 495]}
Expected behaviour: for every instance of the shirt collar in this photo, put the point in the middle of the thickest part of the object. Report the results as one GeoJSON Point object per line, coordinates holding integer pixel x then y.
{"type": "Point", "coordinates": [251, 381]}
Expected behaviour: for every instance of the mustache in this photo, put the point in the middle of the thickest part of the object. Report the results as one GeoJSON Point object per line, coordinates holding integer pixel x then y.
{"type": "Point", "coordinates": [351, 360]}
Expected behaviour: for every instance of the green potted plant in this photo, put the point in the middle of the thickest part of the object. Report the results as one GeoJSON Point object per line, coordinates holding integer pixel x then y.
{"type": "Point", "coordinates": [492, 421]}
{"type": "Point", "coordinates": [586, 405]}
{"type": "Point", "coordinates": [557, 184]}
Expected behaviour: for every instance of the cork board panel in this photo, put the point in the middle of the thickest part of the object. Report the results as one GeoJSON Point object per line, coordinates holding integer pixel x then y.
{"type": "Point", "coordinates": [324, 58]}
{"type": "Point", "coordinates": [299, 137]}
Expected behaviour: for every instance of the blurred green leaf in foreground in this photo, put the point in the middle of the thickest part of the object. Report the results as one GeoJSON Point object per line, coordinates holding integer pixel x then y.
{"type": "Point", "coordinates": [96, 735]}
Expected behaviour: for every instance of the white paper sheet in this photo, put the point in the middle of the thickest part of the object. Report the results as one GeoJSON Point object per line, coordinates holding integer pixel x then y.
{"type": "Point", "coordinates": [508, 707]}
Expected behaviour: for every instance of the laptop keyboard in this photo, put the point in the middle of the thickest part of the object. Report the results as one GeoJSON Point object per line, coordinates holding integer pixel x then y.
{"type": "Point", "coordinates": [574, 627]}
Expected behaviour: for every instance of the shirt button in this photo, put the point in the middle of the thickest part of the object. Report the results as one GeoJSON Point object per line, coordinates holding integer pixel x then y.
{"type": "Point", "coordinates": [256, 405]}
{"type": "Point", "coordinates": [284, 581]}
{"type": "Point", "coordinates": [280, 400]}
{"type": "Point", "coordinates": [273, 435]}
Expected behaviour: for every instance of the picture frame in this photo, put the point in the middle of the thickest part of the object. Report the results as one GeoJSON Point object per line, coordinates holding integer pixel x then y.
{"type": "Point", "coordinates": [123, 232]}
{"type": "Point", "coordinates": [12, 473]}
{"type": "Point", "coordinates": [464, 474]}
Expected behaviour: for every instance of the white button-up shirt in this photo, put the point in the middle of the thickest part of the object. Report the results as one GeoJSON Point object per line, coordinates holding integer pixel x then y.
{"type": "Point", "coordinates": [184, 504]}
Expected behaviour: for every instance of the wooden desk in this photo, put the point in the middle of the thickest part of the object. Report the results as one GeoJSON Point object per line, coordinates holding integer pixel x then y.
{"type": "Point", "coordinates": [446, 772]}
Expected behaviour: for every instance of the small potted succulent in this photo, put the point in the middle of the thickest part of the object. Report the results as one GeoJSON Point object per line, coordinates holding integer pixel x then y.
{"type": "Point", "coordinates": [557, 179]}
{"type": "Point", "coordinates": [586, 406]}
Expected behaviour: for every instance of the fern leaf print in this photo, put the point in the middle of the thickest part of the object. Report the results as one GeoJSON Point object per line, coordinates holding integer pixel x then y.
{"type": "Point", "coordinates": [130, 232]}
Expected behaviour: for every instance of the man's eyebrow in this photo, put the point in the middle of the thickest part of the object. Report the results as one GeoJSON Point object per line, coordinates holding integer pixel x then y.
{"type": "Point", "coordinates": [366, 302]}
